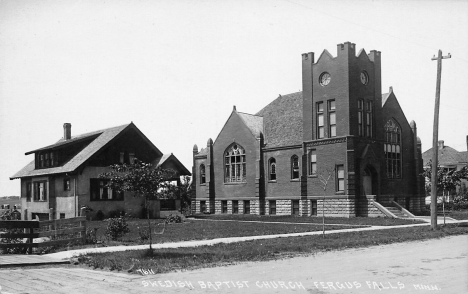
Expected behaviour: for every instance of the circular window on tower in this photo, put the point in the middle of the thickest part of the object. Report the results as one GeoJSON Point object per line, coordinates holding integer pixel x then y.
{"type": "Point", "coordinates": [325, 79]}
{"type": "Point", "coordinates": [364, 77]}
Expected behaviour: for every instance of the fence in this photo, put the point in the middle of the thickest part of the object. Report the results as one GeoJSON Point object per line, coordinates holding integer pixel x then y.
{"type": "Point", "coordinates": [59, 231]}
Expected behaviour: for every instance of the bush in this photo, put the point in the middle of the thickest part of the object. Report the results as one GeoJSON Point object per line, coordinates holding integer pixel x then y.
{"type": "Point", "coordinates": [116, 228]}
{"type": "Point", "coordinates": [100, 215]}
{"type": "Point", "coordinates": [143, 233]}
{"type": "Point", "coordinates": [7, 215]}
{"type": "Point", "coordinates": [91, 235]}
{"type": "Point", "coordinates": [173, 219]}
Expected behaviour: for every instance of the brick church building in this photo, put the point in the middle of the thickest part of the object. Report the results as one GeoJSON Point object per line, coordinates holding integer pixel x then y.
{"type": "Point", "coordinates": [341, 125]}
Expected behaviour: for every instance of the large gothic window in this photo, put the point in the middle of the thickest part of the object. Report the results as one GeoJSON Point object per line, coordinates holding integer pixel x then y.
{"type": "Point", "coordinates": [392, 149]}
{"type": "Point", "coordinates": [234, 164]}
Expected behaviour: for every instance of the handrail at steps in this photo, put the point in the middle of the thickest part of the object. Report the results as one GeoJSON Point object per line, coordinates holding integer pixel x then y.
{"type": "Point", "coordinates": [402, 209]}
{"type": "Point", "coordinates": [383, 209]}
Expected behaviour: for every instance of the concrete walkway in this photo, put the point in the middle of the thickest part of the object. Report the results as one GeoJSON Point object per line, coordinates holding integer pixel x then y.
{"type": "Point", "coordinates": [69, 254]}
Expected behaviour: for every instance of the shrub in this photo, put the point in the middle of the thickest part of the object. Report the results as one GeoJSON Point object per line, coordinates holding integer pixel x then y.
{"type": "Point", "coordinates": [91, 235]}
{"type": "Point", "coordinates": [143, 233]}
{"type": "Point", "coordinates": [116, 228]}
{"type": "Point", "coordinates": [7, 215]}
{"type": "Point", "coordinates": [100, 215]}
{"type": "Point", "coordinates": [173, 219]}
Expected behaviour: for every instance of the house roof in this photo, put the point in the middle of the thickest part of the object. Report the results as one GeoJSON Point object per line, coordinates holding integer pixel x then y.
{"type": "Point", "coordinates": [100, 139]}
{"type": "Point", "coordinates": [446, 156]}
{"type": "Point", "coordinates": [253, 122]}
{"type": "Point", "coordinates": [282, 121]}
{"type": "Point", "coordinates": [170, 157]}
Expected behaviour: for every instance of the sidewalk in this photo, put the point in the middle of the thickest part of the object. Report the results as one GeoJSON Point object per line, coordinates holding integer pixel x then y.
{"type": "Point", "coordinates": [69, 254]}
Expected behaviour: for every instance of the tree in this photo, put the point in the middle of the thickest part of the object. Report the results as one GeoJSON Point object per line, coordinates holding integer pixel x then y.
{"type": "Point", "coordinates": [142, 179]}
{"type": "Point", "coordinates": [447, 180]}
{"type": "Point", "coordinates": [184, 191]}
{"type": "Point", "coordinates": [324, 177]}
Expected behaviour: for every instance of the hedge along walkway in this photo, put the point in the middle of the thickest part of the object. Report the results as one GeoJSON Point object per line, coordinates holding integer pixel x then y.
{"type": "Point", "coordinates": [69, 254]}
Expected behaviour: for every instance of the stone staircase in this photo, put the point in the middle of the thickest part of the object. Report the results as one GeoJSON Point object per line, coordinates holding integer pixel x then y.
{"type": "Point", "coordinates": [397, 212]}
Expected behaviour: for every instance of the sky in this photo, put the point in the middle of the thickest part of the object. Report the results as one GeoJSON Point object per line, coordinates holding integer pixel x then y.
{"type": "Point", "coordinates": [176, 68]}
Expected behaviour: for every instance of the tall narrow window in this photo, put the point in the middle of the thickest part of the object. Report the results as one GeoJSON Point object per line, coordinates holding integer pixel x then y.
{"type": "Point", "coordinates": [332, 118]}
{"type": "Point", "coordinates": [339, 178]}
{"type": "Point", "coordinates": [313, 207]}
{"type": "Point", "coordinates": [294, 167]}
{"type": "Point", "coordinates": [272, 207]}
{"type": "Point", "coordinates": [320, 121]}
{"type": "Point", "coordinates": [295, 207]}
{"type": "Point", "coordinates": [272, 169]}
{"type": "Point", "coordinates": [312, 162]}
{"type": "Point", "coordinates": [202, 174]}
{"type": "Point", "coordinates": [131, 157]}
{"type": "Point", "coordinates": [392, 149]}
{"type": "Point", "coordinates": [360, 117]}
{"type": "Point", "coordinates": [202, 206]}
{"type": "Point", "coordinates": [235, 206]}
{"type": "Point", "coordinates": [28, 191]}
{"type": "Point", "coordinates": [66, 184]}
{"type": "Point", "coordinates": [234, 164]}
{"type": "Point", "coordinates": [246, 206]}
{"type": "Point", "coordinates": [224, 206]}
{"type": "Point", "coordinates": [369, 118]}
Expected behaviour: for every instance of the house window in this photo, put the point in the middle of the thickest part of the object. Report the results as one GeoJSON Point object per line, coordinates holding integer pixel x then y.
{"type": "Point", "coordinates": [320, 122]}
{"type": "Point", "coordinates": [246, 206]}
{"type": "Point", "coordinates": [202, 174]}
{"type": "Point", "coordinates": [272, 207]}
{"type": "Point", "coordinates": [235, 166]}
{"type": "Point", "coordinates": [313, 162]}
{"type": "Point", "coordinates": [66, 185]}
{"type": "Point", "coordinates": [40, 191]}
{"type": "Point", "coordinates": [62, 215]}
{"type": "Point", "coordinates": [369, 110]}
{"type": "Point", "coordinates": [340, 178]}
{"type": "Point", "coordinates": [224, 206]}
{"type": "Point", "coordinates": [360, 117]}
{"type": "Point", "coordinates": [295, 207]}
{"type": "Point", "coordinates": [313, 207]}
{"type": "Point", "coordinates": [294, 167]}
{"type": "Point", "coordinates": [332, 118]}
{"type": "Point", "coordinates": [235, 206]}
{"type": "Point", "coordinates": [122, 158]}
{"type": "Point", "coordinates": [131, 157]}
{"type": "Point", "coordinates": [392, 149]}
{"type": "Point", "coordinates": [202, 206]}
{"type": "Point", "coordinates": [272, 169]}
{"type": "Point", "coordinates": [28, 191]}
{"type": "Point", "coordinates": [99, 191]}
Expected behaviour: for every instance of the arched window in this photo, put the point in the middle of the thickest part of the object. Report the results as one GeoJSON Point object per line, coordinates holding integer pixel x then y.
{"type": "Point", "coordinates": [272, 169]}
{"type": "Point", "coordinates": [234, 164]}
{"type": "Point", "coordinates": [294, 167]}
{"type": "Point", "coordinates": [392, 149]}
{"type": "Point", "coordinates": [202, 174]}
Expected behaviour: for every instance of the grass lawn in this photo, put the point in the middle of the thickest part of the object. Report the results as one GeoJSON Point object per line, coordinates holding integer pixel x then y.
{"type": "Point", "coordinates": [192, 229]}
{"type": "Point", "coordinates": [354, 221]}
{"type": "Point", "coordinates": [457, 214]}
{"type": "Point", "coordinates": [167, 260]}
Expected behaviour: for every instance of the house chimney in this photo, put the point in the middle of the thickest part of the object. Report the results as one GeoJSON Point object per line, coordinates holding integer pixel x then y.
{"type": "Point", "coordinates": [66, 131]}
{"type": "Point", "coordinates": [441, 144]}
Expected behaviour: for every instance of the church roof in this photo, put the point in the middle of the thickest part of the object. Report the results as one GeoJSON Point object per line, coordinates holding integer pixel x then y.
{"type": "Point", "coordinates": [282, 121]}
{"type": "Point", "coordinates": [253, 122]}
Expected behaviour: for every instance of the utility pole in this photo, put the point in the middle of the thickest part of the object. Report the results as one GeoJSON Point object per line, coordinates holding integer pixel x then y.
{"type": "Point", "coordinates": [435, 139]}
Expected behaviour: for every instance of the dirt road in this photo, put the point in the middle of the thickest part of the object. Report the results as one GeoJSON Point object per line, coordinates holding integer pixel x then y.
{"type": "Point", "coordinates": [416, 267]}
